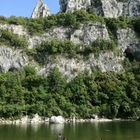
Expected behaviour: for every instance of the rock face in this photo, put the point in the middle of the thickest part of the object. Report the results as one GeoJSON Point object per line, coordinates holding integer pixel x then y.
{"type": "Point", "coordinates": [41, 10]}
{"type": "Point", "coordinates": [86, 34]}
{"type": "Point", "coordinates": [131, 8]}
{"type": "Point", "coordinates": [106, 8]}
{"type": "Point", "coordinates": [11, 60]}
{"type": "Point", "coordinates": [128, 42]}
{"type": "Point", "coordinates": [71, 67]}
{"type": "Point", "coordinates": [15, 29]}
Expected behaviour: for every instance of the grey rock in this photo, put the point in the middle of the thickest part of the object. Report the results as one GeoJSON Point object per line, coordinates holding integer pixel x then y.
{"type": "Point", "coordinates": [131, 8]}
{"type": "Point", "coordinates": [15, 29]}
{"type": "Point", "coordinates": [129, 42]}
{"type": "Point", "coordinates": [107, 61]}
{"type": "Point", "coordinates": [57, 119]}
{"type": "Point", "coordinates": [90, 32]}
{"type": "Point", "coordinates": [11, 60]}
{"type": "Point", "coordinates": [41, 10]}
{"type": "Point", "coordinates": [58, 33]}
{"type": "Point", "coordinates": [94, 31]}
{"type": "Point", "coordinates": [86, 34]}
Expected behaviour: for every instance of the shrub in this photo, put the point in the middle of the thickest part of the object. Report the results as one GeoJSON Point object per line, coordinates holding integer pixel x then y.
{"type": "Point", "coordinates": [11, 39]}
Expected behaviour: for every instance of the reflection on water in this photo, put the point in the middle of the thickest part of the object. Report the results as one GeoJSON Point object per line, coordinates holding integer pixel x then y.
{"type": "Point", "coordinates": [77, 131]}
{"type": "Point", "coordinates": [56, 128]}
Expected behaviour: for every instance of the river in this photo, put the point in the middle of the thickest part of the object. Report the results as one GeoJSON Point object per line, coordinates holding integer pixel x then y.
{"type": "Point", "coordinates": [79, 131]}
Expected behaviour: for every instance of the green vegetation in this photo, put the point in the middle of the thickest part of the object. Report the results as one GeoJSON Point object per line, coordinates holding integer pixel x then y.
{"type": "Point", "coordinates": [10, 39]}
{"type": "Point", "coordinates": [136, 24]}
{"type": "Point", "coordinates": [108, 94]}
{"type": "Point", "coordinates": [100, 45]}
{"type": "Point", "coordinates": [113, 24]}
{"type": "Point", "coordinates": [54, 47]}
{"type": "Point", "coordinates": [38, 26]}
{"type": "Point", "coordinates": [73, 20]}
{"type": "Point", "coordinates": [69, 49]}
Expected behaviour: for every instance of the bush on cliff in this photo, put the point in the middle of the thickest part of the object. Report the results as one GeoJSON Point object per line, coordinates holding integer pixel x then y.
{"type": "Point", "coordinates": [10, 39]}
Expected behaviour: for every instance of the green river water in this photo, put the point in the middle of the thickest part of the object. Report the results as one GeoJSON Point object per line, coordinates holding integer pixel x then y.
{"type": "Point", "coordinates": [79, 131]}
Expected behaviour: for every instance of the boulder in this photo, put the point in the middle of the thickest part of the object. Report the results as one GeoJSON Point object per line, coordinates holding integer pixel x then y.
{"type": "Point", "coordinates": [57, 119]}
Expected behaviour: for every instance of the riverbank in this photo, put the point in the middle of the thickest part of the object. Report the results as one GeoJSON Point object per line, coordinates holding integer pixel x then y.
{"type": "Point", "coordinates": [36, 119]}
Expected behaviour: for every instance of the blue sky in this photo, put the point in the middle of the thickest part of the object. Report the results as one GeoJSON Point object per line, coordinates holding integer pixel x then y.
{"type": "Point", "coordinates": [24, 7]}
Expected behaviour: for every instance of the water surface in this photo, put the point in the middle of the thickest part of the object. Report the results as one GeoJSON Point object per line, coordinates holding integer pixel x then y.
{"type": "Point", "coordinates": [79, 131]}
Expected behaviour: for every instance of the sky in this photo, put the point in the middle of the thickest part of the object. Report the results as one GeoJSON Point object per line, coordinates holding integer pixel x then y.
{"type": "Point", "coordinates": [24, 7]}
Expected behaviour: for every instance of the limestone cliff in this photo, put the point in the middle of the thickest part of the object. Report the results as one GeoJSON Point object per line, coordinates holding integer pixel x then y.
{"type": "Point", "coordinates": [11, 59]}
{"type": "Point", "coordinates": [86, 34]}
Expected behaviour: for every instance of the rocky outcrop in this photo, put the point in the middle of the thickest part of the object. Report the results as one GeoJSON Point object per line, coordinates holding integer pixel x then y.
{"type": "Point", "coordinates": [128, 42]}
{"type": "Point", "coordinates": [41, 10]}
{"type": "Point", "coordinates": [89, 33]}
{"type": "Point", "coordinates": [10, 60]}
{"type": "Point", "coordinates": [106, 8]}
